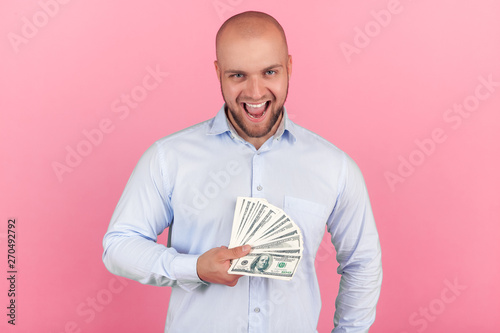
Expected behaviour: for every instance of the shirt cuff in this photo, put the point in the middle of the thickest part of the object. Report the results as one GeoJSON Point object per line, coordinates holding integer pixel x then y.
{"type": "Point", "coordinates": [184, 269]}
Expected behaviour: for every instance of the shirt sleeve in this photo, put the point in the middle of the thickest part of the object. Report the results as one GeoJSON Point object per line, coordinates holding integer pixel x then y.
{"type": "Point", "coordinates": [142, 213]}
{"type": "Point", "coordinates": [355, 237]}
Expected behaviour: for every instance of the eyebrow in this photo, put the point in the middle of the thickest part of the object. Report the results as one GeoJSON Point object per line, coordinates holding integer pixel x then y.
{"type": "Point", "coordinates": [243, 72]}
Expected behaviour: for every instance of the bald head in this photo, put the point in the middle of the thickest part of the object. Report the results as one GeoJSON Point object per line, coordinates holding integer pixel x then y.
{"type": "Point", "coordinates": [248, 25]}
{"type": "Point", "coordinates": [253, 67]}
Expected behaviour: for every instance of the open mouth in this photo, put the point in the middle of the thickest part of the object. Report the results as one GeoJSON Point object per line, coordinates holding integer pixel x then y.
{"type": "Point", "coordinates": [256, 111]}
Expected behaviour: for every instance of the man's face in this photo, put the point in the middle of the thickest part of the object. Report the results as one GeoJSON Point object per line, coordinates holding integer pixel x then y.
{"type": "Point", "coordinates": [254, 74]}
{"type": "Point", "coordinates": [262, 263]}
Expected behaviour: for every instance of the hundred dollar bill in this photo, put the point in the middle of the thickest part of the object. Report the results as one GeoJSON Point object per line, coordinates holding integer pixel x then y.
{"type": "Point", "coordinates": [275, 239]}
{"type": "Point", "coordinates": [270, 265]}
{"type": "Point", "coordinates": [276, 227]}
{"type": "Point", "coordinates": [246, 212]}
{"type": "Point", "coordinates": [288, 242]}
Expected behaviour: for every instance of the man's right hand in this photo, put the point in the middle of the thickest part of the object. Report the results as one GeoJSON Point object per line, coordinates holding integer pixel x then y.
{"type": "Point", "coordinates": [212, 265]}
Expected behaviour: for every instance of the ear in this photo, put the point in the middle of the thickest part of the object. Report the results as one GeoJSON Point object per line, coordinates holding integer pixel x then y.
{"type": "Point", "coordinates": [217, 69]}
{"type": "Point", "coordinates": [289, 66]}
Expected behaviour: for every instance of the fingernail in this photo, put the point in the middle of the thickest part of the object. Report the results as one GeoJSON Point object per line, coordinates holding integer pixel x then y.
{"type": "Point", "coordinates": [245, 248]}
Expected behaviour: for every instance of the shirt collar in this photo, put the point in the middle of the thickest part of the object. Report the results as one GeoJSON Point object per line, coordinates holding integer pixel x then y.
{"type": "Point", "coordinates": [220, 124]}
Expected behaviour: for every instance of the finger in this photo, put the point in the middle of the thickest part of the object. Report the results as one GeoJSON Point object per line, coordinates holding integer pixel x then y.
{"type": "Point", "coordinates": [238, 252]}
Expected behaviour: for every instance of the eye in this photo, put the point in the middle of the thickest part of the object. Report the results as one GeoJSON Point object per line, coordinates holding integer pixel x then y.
{"type": "Point", "coordinates": [237, 75]}
{"type": "Point", "coordinates": [270, 72]}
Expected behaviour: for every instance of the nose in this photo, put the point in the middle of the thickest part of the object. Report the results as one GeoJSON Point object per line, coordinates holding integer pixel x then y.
{"type": "Point", "coordinates": [255, 88]}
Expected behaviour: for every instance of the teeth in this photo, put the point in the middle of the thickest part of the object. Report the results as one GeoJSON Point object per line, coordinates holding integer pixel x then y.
{"type": "Point", "coordinates": [256, 105]}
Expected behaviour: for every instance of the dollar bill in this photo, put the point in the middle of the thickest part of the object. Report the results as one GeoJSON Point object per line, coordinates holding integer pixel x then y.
{"type": "Point", "coordinates": [272, 265]}
{"type": "Point", "coordinates": [275, 239]}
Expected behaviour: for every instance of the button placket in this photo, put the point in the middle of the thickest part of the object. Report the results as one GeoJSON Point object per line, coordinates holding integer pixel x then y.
{"type": "Point", "coordinates": [257, 188]}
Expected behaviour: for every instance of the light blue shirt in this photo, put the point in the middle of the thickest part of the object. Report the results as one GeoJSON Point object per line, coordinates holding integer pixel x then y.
{"type": "Point", "coordinates": [189, 181]}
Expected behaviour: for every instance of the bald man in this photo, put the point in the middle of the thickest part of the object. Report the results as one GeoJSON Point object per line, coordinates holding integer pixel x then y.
{"type": "Point", "coordinates": [189, 181]}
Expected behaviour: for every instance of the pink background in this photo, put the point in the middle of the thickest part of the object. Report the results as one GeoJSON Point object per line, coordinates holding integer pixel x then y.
{"type": "Point", "coordinates": [376, 89]}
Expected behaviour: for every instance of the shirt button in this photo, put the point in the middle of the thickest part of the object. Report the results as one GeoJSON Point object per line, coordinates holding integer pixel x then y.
{"type": "Point", "coordinates": [259, 188]}
{"type": "Point", "coordinates": [256, 310]}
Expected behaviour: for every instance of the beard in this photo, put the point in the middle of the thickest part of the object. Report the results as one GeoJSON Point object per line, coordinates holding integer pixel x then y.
{"type": "Point", "coordinates": [256, 131]}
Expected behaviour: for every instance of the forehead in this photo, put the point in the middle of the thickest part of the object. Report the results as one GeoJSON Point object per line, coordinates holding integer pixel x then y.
{"type": "Point", "coordinates": [249, 53]}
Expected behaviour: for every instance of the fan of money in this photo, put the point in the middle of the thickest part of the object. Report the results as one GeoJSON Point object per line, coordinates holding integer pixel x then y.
{"type": "Point", "coordinates": [275, 239]}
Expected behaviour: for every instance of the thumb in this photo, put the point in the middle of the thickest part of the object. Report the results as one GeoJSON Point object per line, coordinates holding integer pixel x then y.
{"type": "Point", "coordinates": [239, 251]}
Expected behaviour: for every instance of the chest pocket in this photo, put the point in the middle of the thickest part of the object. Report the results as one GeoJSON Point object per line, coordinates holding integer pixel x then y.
{"type": "Point", "coordinates": [311, 218]}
